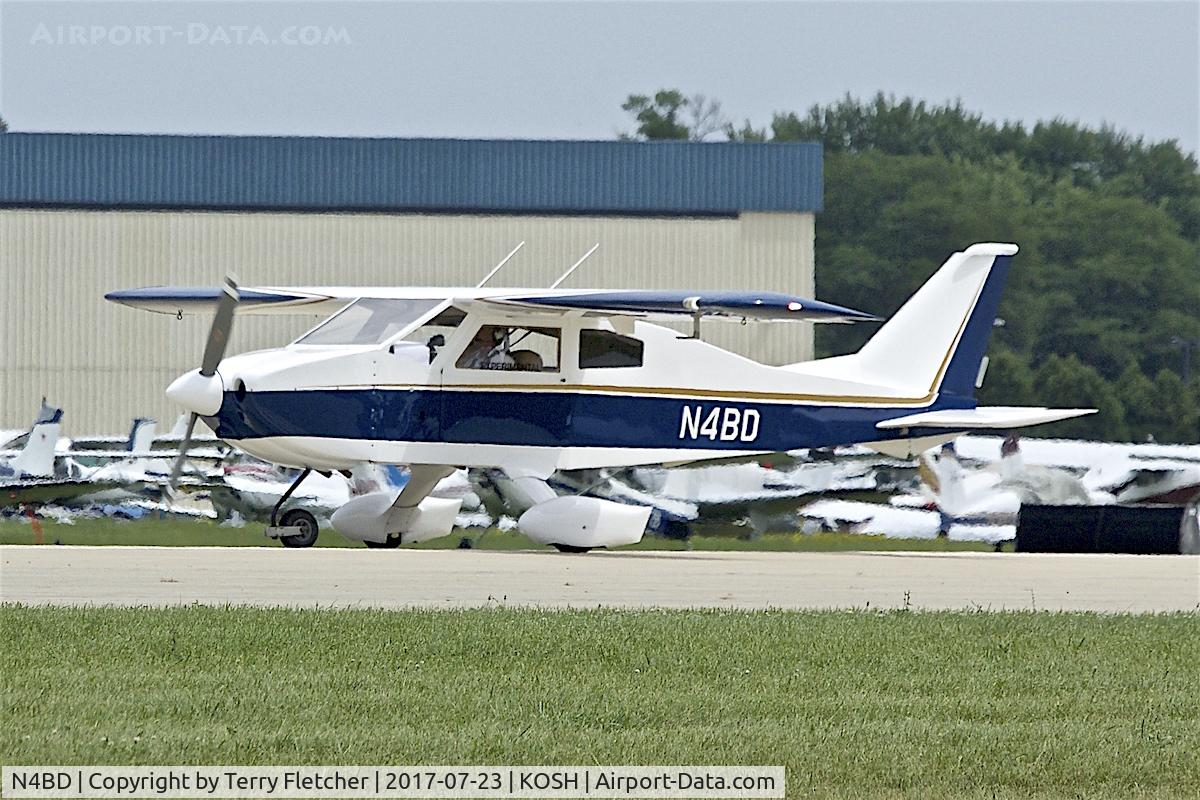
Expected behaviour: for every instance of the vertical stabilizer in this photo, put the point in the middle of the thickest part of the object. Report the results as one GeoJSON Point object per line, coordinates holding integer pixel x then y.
{"type": "Point", "coordinates": [936, 341]}
{"type": "Point", "coordinates": [36, 459]}
{"type": "Point", "coordinates": [141, 435]}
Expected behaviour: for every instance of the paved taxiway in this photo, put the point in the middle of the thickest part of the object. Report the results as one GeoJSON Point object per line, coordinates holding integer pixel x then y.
{"type": "Point", "coordinates": [161, 576]}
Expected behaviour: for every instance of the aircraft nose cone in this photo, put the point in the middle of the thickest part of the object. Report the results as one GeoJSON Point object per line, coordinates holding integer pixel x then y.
{"type": "Point", "coordinates": [198, 393]}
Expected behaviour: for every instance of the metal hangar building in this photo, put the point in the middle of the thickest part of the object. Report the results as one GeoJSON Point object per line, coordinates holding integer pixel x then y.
{"type": "Point", "coordinates": [84, 214]}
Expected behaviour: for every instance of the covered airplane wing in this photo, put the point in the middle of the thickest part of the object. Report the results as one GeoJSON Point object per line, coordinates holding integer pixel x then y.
{"type": "Point", "coordinates": [16, 493]}
{"type": "Point", "coordinates": [664, 304]}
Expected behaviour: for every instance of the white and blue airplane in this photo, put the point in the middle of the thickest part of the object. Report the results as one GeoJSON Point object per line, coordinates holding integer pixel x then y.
{"type": "Point", "coordinates": [533, 380]}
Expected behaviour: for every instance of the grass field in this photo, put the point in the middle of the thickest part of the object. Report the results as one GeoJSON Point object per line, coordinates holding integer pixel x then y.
{"type": "Point", "coordinates": [168, 532]}
{"type": "Point", "coordinates": [901, 704]}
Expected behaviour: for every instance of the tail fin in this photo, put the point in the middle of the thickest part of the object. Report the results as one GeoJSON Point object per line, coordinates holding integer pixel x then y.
{"type": "Point", "coordinates": [36, 459]}
{"type": "Point", "coordinates": [937, 340]}
{"type": "Point", "coordinates": [141, 435]}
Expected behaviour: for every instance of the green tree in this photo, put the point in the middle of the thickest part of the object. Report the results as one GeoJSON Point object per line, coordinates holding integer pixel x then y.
{"type": "Point", "coordinates": [1061, 150]}
{"type": "Point", "coordinates": [1179, 414]}
{"type": "Point", "coordinates": [704, 117]}
{"type": "Point", "coordinates": [1008, 381]}
{"type": "Point", "coordinates": [1108, 225]}
{"type": "Point", "coordinates": [671, 115]}
{"type": "Point", "coordinates": [1140, 400]}
{"type": "Point", "coordinates": [3, 126]}
{"type": "Point", "coordinates": [1069, 383]}
{"type": "Point", "coordinates": [746, 133]}
{"type": "Point", "coordinates": [659, 117]}
{"type": "Point", "coordinates": [1103, 159]}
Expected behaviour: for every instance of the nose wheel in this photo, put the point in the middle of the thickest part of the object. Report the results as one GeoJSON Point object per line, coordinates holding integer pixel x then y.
{"type": "Point", "coordinates": [302, 525]}
{"type": "Point", "coordinates": [307, 525]}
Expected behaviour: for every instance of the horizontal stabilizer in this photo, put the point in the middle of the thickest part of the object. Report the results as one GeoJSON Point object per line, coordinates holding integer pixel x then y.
{"type": "Point", "coordinates": [987, 417]}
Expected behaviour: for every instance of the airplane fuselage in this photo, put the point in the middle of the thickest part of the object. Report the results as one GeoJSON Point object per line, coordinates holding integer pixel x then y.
{"type": "Point", "coordinates": [331, 407]}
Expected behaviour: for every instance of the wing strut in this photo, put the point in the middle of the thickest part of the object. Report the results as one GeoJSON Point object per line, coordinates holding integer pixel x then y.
{"type": "Point", "coordinates": [575, 266]}
{"type": "Point", "coordinates": [496, 268]}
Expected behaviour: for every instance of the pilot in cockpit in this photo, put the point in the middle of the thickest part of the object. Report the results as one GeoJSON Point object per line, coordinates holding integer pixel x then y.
{"type": "Point", "coordinates": [488, 350]}
{"type": "Point", "coordinates": [492, 348]}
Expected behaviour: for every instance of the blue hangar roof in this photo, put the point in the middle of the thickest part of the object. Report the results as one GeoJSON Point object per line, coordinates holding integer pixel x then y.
{"type": "Point", "coordinates": [434, 175]}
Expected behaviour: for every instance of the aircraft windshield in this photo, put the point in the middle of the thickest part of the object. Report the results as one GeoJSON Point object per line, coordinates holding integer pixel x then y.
{"type": "Point", "coordinates": [369, 320]}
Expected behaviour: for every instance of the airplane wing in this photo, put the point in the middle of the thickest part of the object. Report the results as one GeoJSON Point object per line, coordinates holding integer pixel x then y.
{"type": "Point", "coordinates": [653, 304]}
{"type": "Point", "coordinates": [1131, 480]}
{"type": "Point", "coordinates": [180, 300]}
{"type": "Point", "coordinates": [861, 517]}
{"type": "Point", "coordinates": [672, 304]}
{"type": "Point", "coordinates": [49, 490]}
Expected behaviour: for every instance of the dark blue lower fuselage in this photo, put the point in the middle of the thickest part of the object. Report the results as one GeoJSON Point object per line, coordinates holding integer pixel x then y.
{"type": "Point", "coordinates": [552, 419]}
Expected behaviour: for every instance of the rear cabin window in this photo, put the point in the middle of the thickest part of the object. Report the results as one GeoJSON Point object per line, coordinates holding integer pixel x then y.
{"type": "Point", "coordinates": [600, 349]}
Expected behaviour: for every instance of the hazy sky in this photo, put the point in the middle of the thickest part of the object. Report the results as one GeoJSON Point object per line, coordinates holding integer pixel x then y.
{"type": "Point", "coordinates": [561, 70]}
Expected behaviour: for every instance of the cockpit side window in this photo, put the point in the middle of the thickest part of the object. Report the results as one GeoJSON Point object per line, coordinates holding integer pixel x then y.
{"type": "Point", "coordinates": [601, 349]}
{"type": "Point", "coordinates": [368, 320]}
{"type": "Point", "coordinates": [435, 332]}
{"type": "Point", "coordinates": [505, 347]}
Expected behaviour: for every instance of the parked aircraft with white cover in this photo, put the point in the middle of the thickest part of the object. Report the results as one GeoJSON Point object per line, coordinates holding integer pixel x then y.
{"type": "Point", "coordinates": [975, 487]}
{"type": "Point", "coordinates": [537, 380]}
{"type": "Point", "coordinates": [49, 469]}
{"type": "Point", "coordinates": [1062, 472]}
{"type": "Point", "coordinates": [36, 458]}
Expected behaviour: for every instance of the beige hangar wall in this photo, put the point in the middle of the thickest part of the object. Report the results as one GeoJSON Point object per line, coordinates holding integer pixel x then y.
{"type": "Point", "coordinates": [105, 363]}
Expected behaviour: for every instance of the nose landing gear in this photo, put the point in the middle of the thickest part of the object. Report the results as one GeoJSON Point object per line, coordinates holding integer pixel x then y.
{"type": "Point", "coordinates": [299, 527]}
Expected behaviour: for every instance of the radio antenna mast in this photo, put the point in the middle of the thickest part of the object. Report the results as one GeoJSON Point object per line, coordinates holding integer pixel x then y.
{"type": "Point", "coordinates": [496, 268]}
{"type": "Point", "coordinates": [575, 266]}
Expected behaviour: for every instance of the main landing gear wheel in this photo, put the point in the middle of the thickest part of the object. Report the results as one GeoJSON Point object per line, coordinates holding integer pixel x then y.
{"type": "Point", "coordinates": [391, 544]}
{"type": "Point", "coordinates": [570, 548]}
{"type": "Point", "coordinates": [306, 522]}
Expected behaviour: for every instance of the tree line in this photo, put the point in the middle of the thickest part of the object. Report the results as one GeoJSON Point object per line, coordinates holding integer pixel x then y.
{"type": "Point", "coordinates": [1103, 306]}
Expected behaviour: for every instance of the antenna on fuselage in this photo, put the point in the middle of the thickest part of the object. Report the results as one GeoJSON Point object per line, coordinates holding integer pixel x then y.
{"type": "Point", "coordinates": [496, 268]}
{"type": "Point", "coordinates": [575, 266]}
